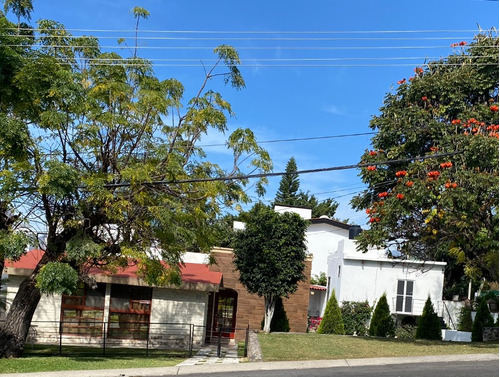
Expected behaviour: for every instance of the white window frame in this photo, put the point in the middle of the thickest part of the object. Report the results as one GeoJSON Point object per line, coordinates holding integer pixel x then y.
{"type": "Point", "coordinates": [405, 290]}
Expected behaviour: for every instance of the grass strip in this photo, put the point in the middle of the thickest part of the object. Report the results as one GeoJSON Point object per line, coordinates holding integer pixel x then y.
{"type": "Point", "coordinates": [47, 359]}
{"type": "Point", "coordinates": [312, 346]}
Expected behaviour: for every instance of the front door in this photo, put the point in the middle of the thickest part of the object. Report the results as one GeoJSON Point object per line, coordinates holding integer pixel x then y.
{"type": "Point", "coordinates": [226, 301]}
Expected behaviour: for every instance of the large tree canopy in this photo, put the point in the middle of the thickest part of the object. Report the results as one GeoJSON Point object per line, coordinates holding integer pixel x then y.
{"type": "Point", "coordinates": [269, 255]}
{"type": "Point", "coordinates": [100, 158]}
{"type": "Point", "coordinates": [446, 207]}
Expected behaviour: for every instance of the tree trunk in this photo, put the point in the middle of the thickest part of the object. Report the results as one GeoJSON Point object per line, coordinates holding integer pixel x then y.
{"type": "Point", "coordinates": [15, 329]}
{"type": "Point", "coordinates": [270, 303]}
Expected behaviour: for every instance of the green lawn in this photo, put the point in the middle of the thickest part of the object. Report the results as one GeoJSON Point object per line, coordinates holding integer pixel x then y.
{"type": "Point", "coordinates": [83, 358]}
{"type": "Point", "coordinates": [312, 346]}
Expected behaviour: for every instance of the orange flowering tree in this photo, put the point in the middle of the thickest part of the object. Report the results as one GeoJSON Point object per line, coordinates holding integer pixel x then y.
{"type": "Point", "coordinates": [443, 206]}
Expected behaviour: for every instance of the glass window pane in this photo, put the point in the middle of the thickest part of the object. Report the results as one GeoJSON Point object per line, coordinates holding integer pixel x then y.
{"type": "Point", "coordinates": [401, 287]}
{"type": "Point", "coordinates": [399, 304]}
{"type": "Point", "coordinates": [409, 288]}
{"type": "Point", "coordinates": [408, 304]}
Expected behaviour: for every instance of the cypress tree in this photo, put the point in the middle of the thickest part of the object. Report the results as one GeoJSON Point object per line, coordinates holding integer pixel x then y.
{"type": "Point", "coordinates": [289, 185]}
{"type": "Point", "coordinates": [483, 319]}
{"type": "Point", "coordinates": [428, 324]}
{"type": "Point", "coordinates": [382, 323]}
{"type": "Point", "coordinates": [332, 322]}
{"type": "Point", "coordinates": [465, 319]}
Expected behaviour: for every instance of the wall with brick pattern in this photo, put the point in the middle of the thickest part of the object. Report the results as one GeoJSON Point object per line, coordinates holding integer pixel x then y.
{"type": "Point", "coordinates": [250, 307]}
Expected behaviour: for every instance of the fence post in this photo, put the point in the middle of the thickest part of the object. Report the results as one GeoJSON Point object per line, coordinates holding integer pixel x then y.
{"type": "Point", "coordinates": [247, 339]}
{"type": "Point", "coordinates": [147, 340]}
{"type": "Point", "coordinates": [219, 341]}
{"type": "Point", "coordinates": [104, 339]}
{"type": "Point", "coordinates": [191, 339]}
{"type": "Point", "coordinates": [60, 335]}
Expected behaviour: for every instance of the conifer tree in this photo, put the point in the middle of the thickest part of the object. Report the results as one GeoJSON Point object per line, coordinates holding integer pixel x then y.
{"type": "Point", "coordinates": [382, 323]}
{"type": "Point", "coordinates": [465, 319]}
{"type": "Point", "coordinates": [428, 324]}
{"type": "Point", "coordinates": [289, 185]}
{"type": "Point", "coordinates": [483, 319]}
{"type": "Point", "coordinates": [332, 322]}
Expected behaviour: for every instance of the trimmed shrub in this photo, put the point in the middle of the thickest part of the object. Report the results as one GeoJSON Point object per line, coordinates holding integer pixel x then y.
{"type": "Point", "coordinates": [483, 319]}
{"type": "Point", "coordinates": [406, 332]}
{"type": "Point", "coordinates": [356, 316]}
{"type": "Point", "coordinates": [382, 323]}
{"type": "Point", "coordinates": [465, 319]}
{"type": "Point", "coordinates": [332, 322]}
{"type": "Point", "coordinates": [279, 322]}
{"type": "Point", "coordinates": [428, 324]}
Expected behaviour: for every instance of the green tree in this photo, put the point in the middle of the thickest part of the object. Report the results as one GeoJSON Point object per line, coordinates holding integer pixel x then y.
{"type": "Point", "coordinates": [382, 323]}
{"type": "Point", "coordinates": [332, 322]}
{"type": "Point", "coordinates": [320, 279]}
{"type": "Point", "coordinates": [483, 319]}
{"type": "Point", "coordinates": [21, 8]}
{"type": "Point", "coordinates": [269, 255]}
{"type": "Point", "coordinates": [443, 206]}
{"type": "Point", "coordinates": [289, 185]}
{"type": "Point", "coordinates": [356, 315]}
{"type": "Point", "coordinates": [288, 194]}
{"type": "Point", "coordinates": [88, 158]}
{"type": "Point", "coordinates": [428, 323]}
{"type": "Point", "coordinates": [465, 319]}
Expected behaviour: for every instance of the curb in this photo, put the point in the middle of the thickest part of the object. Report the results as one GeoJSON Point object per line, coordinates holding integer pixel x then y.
{"type": "Point", "coordinates": [263, 366]}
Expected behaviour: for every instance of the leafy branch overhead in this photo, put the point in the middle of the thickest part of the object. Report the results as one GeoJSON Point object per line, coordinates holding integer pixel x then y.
{"type": "Point", "coordinates": [82, 132]}
{"type": "Point", "coordinates": [442, 208]}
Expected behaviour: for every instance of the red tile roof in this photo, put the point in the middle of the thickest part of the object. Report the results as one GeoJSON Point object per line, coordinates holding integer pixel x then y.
{"type": "Point", "coordinates": [190, 272]}
{"type": "Point", "coordinates": [317, 287]}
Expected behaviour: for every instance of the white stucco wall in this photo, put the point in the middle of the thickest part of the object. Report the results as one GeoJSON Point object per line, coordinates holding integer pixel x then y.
{"type": "Point", "coordinates": [322, 240]}
{"type": "Point", "coordinates": [48, 312]}
{"type": "Point", "coordinates": [368, 276]}
{"type": "Point", "coordinates": [305, 213]}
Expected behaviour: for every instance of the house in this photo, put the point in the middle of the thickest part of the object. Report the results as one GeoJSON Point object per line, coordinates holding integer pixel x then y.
{"type": "Point", "coordinates": [122, 306]}
{"type": "Point", "coordinates": [124, 310]}
{"type": "Point", "coordinates": [357, 276]}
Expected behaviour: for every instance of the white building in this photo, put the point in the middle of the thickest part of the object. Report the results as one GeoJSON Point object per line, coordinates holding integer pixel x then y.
{"type": "Point", "coordinates": [357, 276]}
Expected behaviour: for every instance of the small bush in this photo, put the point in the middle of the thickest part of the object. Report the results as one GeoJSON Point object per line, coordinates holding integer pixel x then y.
{"type": "Point", "coordinates": [332, 322]}
{"type": "Point", "coordinates": [428, 324]}
{"type": "Point", "coordinates": [406, 332]}
{"type": "Point", "coordinates": [279, 322]}
{"type": "Point", "coordinates": [356, 316]}
{"type": "Point", "coordinates": [483, 319]}
{"type": "Point", "coordinates": [382, 323]}
{"type": "Point", "coordinates": [465, 319]}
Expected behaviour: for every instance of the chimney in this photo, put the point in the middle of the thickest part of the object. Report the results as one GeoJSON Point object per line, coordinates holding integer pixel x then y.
{"type": "Point", "coordinates": [354, 231]}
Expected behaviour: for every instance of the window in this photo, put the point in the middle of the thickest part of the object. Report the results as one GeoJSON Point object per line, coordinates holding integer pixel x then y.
{"type": "Point", "coordinates": [82, 312]}
{"type": "Point", "coordinates": [404, 298]}
{"type": "Point", "coordinates": [129, 312]}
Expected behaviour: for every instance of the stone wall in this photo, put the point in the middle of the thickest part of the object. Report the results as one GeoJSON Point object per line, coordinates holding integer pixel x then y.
{"type": "Point", "coordinates": [250, 307]}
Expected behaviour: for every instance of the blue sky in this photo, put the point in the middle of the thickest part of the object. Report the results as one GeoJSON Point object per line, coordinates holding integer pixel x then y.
{"type": "Point", "coordinates": [297, 101]}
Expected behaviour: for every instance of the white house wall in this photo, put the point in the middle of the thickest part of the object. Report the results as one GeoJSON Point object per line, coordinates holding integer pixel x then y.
{"type": "Point", "coordinates": [322, 240]}
{"type": "Point", "coordinates": [366, 277]}
{"type": "Point", "coordinates": [179, 308]}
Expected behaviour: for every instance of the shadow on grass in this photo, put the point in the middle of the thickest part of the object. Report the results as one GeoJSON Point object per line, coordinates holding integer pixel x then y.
{"type": "Point", "coordinates": [88, 354]}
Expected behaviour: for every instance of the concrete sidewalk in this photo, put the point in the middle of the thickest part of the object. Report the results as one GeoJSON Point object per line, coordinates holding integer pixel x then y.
{"type": "Point", "coordinates": [245, 367]}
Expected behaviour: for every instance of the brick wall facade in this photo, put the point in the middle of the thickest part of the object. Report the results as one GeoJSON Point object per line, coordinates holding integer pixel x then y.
{"type": "Point", "coordinates": [250, 307]}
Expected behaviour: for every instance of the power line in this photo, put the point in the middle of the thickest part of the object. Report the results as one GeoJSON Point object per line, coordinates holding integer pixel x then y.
{"type": "Point", "coordinates": [259, 31]}
{"type": "Point", "coordinates": [297, 139]}
{"type": "Point", "coordinates": [264, 175]}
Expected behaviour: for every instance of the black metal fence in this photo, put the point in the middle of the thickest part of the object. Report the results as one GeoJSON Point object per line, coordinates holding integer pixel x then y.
{"type": "Point", "coordinates": [131, 336]}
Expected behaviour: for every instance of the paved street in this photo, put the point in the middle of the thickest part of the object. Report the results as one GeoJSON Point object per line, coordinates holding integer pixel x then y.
{"type": "Point", "coordinates": [448, 369]}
